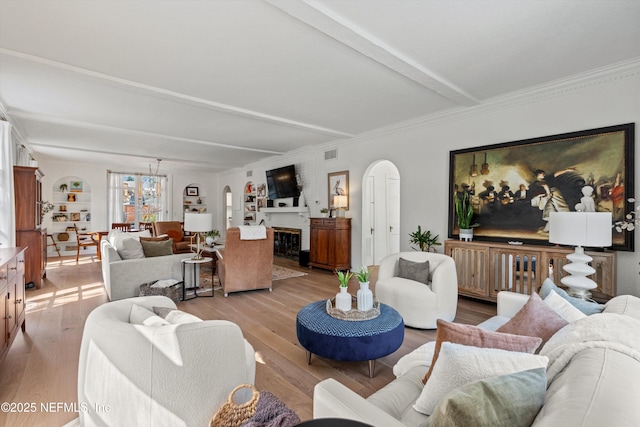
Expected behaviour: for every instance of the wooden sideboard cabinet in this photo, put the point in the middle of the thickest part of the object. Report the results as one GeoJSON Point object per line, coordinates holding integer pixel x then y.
{"type": "Point", "coordinates": [330, 243]}
{"type": "Point", "coordinates": [12, 296]}
{"type": "Point", "coordinates": [29, 231]}
{"type": "Point", "coordinates": [486, 268]}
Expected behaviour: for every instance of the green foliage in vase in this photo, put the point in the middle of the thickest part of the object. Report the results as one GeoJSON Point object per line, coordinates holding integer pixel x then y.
{"type": "Point", "coordinates": [344, 277]}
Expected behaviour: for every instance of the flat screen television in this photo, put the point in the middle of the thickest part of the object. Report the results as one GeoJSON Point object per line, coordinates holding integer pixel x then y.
{"type": "Point", "coordinates": [282, 182]}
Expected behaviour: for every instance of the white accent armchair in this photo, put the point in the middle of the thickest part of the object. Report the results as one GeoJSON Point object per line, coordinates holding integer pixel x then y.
{"type": "Point", "coordinates": [419, 304]}
{"type": "Point", "coordinates": [173, 375]}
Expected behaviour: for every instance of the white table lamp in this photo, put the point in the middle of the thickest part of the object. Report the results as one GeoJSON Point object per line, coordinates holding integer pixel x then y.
{"type": "Point", "coordinates": [579, 229]}
{"type": "Point", "coordinates": [340, 202]}
{"type": "Point", "coordinates": [198, 223]}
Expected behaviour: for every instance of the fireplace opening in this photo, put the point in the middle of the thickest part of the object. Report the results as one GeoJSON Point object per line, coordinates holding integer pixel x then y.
{"type": "Point", "coordinates": [286, 242]}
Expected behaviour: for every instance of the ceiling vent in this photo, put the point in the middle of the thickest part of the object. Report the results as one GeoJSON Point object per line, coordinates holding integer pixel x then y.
{"type": "Point", "coordinates": [331, 154]}
{"type": "Point", "coordinates": [249, 174]}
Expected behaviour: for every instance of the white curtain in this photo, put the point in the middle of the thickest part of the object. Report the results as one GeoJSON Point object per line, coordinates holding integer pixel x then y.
{"type": "Point", "coordinates": [7, 208]}
{"type": "Point", "coordinates": [115, 197]}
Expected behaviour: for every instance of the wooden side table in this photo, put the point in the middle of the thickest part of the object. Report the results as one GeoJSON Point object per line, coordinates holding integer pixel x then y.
{"type": "Point", "coordinates": [196, 263]}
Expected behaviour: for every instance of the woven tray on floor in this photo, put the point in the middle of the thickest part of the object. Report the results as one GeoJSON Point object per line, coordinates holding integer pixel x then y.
{"type": "Point", "coordinates": [174, 291]}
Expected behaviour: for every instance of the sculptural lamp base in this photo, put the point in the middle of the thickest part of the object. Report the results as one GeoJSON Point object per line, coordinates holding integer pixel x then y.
{"type": "Point", "coordinates": [580, 229]}
{"type": "Point", "coordinates": [579, 285]}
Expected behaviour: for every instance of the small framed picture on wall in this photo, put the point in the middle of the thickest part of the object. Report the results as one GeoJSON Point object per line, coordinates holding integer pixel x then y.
{"type": "Point", "coordinates": [192, 191]}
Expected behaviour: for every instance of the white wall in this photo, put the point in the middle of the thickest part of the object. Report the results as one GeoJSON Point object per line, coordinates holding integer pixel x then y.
{"type": "Point", "coordinates": [420, 150]}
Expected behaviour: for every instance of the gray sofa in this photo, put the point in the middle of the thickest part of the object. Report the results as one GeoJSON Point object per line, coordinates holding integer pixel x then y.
{"type": "Point", "coordinates": [598, 386]}
{"type": "Point", "coordinates": [123, 277]}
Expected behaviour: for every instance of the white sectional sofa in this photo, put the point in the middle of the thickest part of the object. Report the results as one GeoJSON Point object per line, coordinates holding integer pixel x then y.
{"type": "Point", "coordinates": [599, 386]}
{"type": "Point", "coordinates": [123, 277]}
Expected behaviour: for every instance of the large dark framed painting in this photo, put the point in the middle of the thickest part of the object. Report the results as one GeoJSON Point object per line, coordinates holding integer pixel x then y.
{"type": "Point", "coordinates": [515, 185]}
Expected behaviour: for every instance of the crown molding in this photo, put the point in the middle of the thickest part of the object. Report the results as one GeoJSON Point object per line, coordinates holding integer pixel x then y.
{"type": "Point", "coordinates": [557, 88]}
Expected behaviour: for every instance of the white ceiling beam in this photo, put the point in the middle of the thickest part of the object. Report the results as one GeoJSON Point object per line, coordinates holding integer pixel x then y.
{"type": "Point", "coordinates": [328, 22]}
{"type": "Point", "coordinates": [93, 126]}
{"type": "Point", "coordinates": [172, 95]}
{"type": "Point", "coordinates": [129, 155]}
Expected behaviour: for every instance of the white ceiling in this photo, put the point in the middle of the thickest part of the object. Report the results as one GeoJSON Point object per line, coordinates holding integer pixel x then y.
{"type": "Point", "coordinates": [217, 84]}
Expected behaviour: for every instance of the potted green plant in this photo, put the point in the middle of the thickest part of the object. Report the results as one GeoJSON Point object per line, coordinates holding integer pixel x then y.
{"type": "Point", "coordinates": [324, 212]}
{"type": "Point", "coordinates": [464, 214]}
{"type": "Point", "coordinates": [45, 208]}
{"type": "Point", "coordinates": [424, 240]}
{"type": "Point", "coordinates": [211, 237]}
{"type": "Point", "coordinates": [343, 298]}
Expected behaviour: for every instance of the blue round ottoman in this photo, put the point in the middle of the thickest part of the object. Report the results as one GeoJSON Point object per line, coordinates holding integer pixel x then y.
{"type": "Point", "coordinates": [346, 340]}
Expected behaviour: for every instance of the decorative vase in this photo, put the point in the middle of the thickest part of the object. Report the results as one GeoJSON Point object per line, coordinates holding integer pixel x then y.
{"type": "Point", "coordinates": [466, 234]}
{"type": "Point", "coordinates": [210, 240]}
{"type": "Point", "coordinates": [343, 299]}
{"type": "Point", "coordinates": [365, 297]}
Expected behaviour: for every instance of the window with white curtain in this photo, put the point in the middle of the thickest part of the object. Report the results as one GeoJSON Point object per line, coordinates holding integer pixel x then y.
{"type": "Point", "coordinates": [134, 197]}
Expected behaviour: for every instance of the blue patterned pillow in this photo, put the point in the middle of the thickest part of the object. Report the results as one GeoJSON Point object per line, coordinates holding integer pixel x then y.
{"type": "Point", "coordinates": [587, 307]}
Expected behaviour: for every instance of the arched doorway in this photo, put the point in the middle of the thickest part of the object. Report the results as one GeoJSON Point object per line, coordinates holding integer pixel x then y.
{"type": "Point", "coordinates": [380, 212]}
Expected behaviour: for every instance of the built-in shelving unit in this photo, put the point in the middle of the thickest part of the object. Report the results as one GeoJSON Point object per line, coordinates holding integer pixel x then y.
{"type": "Point", "coordinates": [250, 204]}
{"type": "Point", "coordinates": [193, 199]}
{"type": "Point", "coordinates": [72, 206]}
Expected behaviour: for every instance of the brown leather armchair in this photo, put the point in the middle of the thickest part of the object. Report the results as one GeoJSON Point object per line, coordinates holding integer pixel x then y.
{"type": "Point", "coordinates": [174, 230]}
{"type": "Point", "coordinates": [245, 265]}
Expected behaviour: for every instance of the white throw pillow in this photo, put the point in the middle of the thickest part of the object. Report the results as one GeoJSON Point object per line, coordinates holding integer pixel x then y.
{"type": "Point", "coordinates": [462, 364]}
{"type": "Point", "coordinates": [563, 307]}
{"type": "Point", "coordinates": [116, 237]}
{"type": "Point", "coordinates": [175, 316]}
{"type": "Point", "coordinates": [131, 249]}
{"type": "Point", "coordinates": [143, 316]}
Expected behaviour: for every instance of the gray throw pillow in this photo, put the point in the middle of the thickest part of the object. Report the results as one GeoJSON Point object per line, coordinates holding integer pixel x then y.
{"type": "Point", "coordinates": [418, 271]}
{"type": "Point", "coordinates": [510, 400]}
{"type": "Point", "coordinates": [130, 249]}
{"type": "Point", "coordinates": [157, 248]}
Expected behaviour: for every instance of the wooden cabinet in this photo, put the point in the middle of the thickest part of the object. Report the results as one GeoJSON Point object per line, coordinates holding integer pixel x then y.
{"type": "Point", "coordinates": [29, 233]}
{"type": "Point", "coordinates": [12, 296]}
{"type": "Point", "coordinates": [330, 241]}
{"type": "Point", "coordinates": [485, 268]}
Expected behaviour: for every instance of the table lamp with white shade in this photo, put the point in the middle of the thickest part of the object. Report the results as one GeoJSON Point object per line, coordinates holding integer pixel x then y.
{"type": "Point", "coordinates": [580, 229]}
{"type": "Point", "coordinates": [340, 202]}
{"type": "Point", "coordinates": [198, 223]}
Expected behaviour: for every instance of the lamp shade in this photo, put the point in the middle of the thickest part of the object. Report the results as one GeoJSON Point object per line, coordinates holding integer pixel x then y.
{"type": "Point", "coordinates": [198, 222]}
{"type": "Point", "coordinates": [340, 201]}
{"type": "Point", "coordinates": [590, 229]}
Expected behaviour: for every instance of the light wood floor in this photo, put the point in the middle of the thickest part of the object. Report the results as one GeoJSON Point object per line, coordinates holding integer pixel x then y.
{"type": "Point", "coordinates": [41, 366]}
